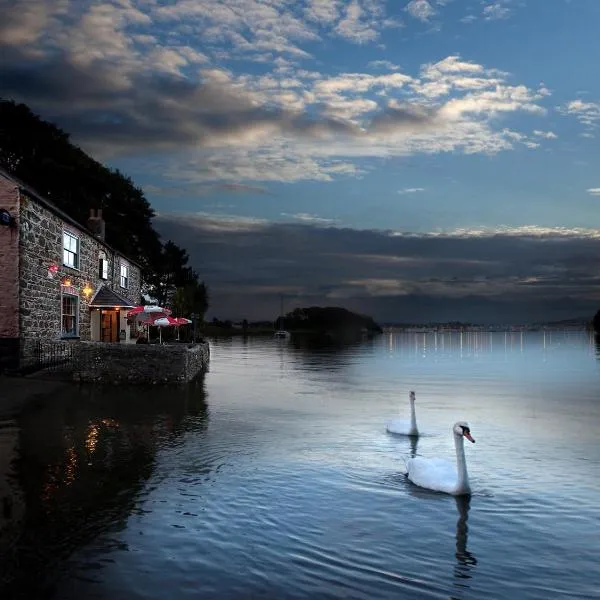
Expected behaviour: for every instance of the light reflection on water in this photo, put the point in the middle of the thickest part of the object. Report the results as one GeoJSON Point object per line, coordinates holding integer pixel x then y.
{"type": "Point", "coordinates": [275, 477]}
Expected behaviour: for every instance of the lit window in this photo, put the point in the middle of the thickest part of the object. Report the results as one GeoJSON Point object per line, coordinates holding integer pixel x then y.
{"type": "Point", "coordinates": [103, 268]}
{"type": "Point", "coordinates": [124, 275]}
{"type": "Point", "coordinates": [70, 250]}
{"type": "Point", "coordinates": [69, 315]}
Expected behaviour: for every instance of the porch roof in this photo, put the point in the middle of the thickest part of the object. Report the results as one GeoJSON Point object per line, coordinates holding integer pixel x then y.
{"type": "Point", "coordinates": [106, 298]}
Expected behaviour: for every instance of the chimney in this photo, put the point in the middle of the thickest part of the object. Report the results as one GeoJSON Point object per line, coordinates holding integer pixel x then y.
{"type": "Point", "coordinates": [96, 223]}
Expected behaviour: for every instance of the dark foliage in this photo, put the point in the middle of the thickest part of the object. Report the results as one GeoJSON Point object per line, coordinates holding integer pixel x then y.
{"type": "Point", "coordinates": [41, 155]}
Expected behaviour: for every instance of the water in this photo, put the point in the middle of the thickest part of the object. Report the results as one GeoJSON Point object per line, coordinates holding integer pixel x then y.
{"type": "Point", "coordinates": [274, 476]}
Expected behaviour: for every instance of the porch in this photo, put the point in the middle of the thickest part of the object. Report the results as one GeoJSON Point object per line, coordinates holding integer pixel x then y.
{"type": "Point", "coordinates": [108, 318]}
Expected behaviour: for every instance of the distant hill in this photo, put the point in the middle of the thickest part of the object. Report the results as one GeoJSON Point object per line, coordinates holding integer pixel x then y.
{"type": "Point", "coordinates": [329, 320]}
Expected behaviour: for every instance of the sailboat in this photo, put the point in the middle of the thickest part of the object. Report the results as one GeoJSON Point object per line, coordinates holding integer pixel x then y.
{"type": "Point", "coordinates": [281, 333]}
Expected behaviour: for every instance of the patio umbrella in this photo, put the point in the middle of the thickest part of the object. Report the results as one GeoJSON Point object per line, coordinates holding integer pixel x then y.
{"type": "Point", "coordinates": [181, 321]}
{"type": "Point", "coordinates": [150, 311]}
{"type": "Point", "coordinates": [147, 314]}
{"type": "Point", "coordinates": [163, 322]}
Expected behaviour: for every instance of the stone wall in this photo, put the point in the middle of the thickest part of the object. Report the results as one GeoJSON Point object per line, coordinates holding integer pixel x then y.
{"type": "Point", "coordinates": [9, 263]}
{"type": "Point", "coordinates": [133, 291]}
{"type": "Point", "coordinates": [41, 245]}
{"type": "Point", "coordinates": [138, 363]}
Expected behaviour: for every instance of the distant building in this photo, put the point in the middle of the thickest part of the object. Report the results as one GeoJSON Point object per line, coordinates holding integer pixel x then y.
{"type": "Point", "coordinates": [59, 279]}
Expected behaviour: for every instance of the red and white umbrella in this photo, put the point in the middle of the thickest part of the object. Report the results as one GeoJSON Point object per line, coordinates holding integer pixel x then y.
{"type": "Point", "coordinates": [148, 312]}
{"type": "Point", "coordinates": [163, 322]}
{"type": "Point", "coordinates": [183, 321]}
{"type": "Point", "coordinates": [170, 322]}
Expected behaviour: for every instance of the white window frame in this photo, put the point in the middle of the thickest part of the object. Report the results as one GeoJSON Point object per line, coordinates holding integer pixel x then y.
{"type": "Point", "coordinates": [103, 267]}
{"type": "Point", "coordinates": [63, 333]}
{"type": "Point", "coordinates": [72, 239]}
{"type": "Point", "coordinates": [124, 275]}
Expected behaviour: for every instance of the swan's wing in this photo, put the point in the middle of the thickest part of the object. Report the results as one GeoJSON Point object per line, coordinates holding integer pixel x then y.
{"type": "Point", "coordinates": [433, 473]}
{"type": "Point", "coordinates": [399, 426]}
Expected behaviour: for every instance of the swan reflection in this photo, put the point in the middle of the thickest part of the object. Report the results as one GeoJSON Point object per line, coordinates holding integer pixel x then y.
{"type": "Point", "coordinates": [465, 560]}
{"type": "Point", "coordinates": [414, 442]}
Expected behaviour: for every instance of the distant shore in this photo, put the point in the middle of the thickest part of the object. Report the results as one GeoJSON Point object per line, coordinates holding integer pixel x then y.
{"type": "Point", "coordinates": [214, 331]}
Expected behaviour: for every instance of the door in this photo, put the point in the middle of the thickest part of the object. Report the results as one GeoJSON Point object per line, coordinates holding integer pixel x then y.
{"type": "Point", "coordinates": [109, 324]}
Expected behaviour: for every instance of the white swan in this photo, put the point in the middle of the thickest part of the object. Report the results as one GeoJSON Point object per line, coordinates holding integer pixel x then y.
{"type": "Point", "coordinates": [441, 475]}
{"type": "Point", "coordinates": [401, 426]}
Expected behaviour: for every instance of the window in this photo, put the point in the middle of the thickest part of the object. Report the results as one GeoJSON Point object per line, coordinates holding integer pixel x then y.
{"type": "Point", "coordinates": [124, 275]}
{"type": "Point", "coordinates": [70, 250]}
{"type": "Point", "coordinates": [69, 315]}
{"type": "Point", "coordinates": [103, 268]}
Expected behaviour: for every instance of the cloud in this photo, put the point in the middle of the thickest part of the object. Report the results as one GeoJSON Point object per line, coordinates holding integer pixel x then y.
{"type": "Point", "coordinates": [355, 25]}
{"type": "Point", "coordinates": [215, 223]}
{"type": "Point", "coordinates": [587, 113]}
{"type": "Point", "coordinates": [528, 231]}
{"type": "Point", "coordinates": [323, 11]}
{"type": "Point", "coordinates": [496, 11]}
{"type": "Point", "coordinates": [593, 191]}
{"type": "Point", "coordinates": [547, 135]}
{"type": "Point", "coordinates": [242, 188]}
{"type": "Point", "coordinates": [411, 190]}
{"type": "Point", "coordinates": [308, 218]}
{"type": "Point", "coordinates": [491, 275]}
{"type": "Point", "coordinates": [125, 79]}
{"type": "Point", "coordinates": [174, 191]}
{"type": "Point", "coordinates": [492, 11]}
{"type": "Point", "coordinates": [420, 9]}
{"type": "Point", "coordinates": [384, 65]}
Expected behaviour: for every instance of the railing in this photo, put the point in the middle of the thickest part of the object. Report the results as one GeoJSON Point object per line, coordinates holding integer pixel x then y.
{"type": "Point", "coordinates": [52, 356]}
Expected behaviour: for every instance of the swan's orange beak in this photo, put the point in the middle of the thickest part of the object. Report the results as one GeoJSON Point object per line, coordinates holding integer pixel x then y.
{"type": "Point", "coordinates": [468, 436]}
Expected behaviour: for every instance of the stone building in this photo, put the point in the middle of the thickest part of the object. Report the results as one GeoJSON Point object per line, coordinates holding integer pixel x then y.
{"type": "Point", "coordinates": [59, 280]}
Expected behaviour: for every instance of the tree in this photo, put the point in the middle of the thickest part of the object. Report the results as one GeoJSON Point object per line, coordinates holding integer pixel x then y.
{"type": "Point", "coordinates": [171, 272]}
{"type": "Point", "coordinates": [43, 157]}
{"type": "Point", "coordinates": [191, 298]}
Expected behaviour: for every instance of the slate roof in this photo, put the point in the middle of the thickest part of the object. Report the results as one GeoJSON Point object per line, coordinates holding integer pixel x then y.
{"type": "Point", "coordinates": [106, 298]}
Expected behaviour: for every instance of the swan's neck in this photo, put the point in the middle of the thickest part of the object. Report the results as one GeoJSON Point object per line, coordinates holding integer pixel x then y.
{"type": "Point", "coordinates": [463, 486]}
{"type": "Point", "coordinates": [413, 420]}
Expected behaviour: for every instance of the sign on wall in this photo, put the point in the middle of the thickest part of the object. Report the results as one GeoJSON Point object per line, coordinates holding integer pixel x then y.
{"type": "Point", "coordinates": [6, 219]}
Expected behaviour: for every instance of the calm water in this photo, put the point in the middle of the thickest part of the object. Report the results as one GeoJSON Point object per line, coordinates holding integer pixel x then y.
{"type": "Point", "coordinates": [274, 476]}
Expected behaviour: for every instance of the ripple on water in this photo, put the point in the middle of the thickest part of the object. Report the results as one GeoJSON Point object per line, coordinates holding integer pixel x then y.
{"type": "Point", "coordinates": [288, 486]}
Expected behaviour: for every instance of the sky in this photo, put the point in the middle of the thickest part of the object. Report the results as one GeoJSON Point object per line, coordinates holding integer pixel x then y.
{"type": "Point", "coordinates": [414, 160]}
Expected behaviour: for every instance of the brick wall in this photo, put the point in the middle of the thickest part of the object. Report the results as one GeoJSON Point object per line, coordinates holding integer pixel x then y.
{"type": "Point", "coordinates": [9, 263]}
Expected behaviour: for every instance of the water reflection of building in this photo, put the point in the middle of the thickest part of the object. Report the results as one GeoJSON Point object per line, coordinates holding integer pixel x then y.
{"type": "Point", "coordinates": [11, 501]}
{"type": "Point", "coordinates": [79, 463]}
